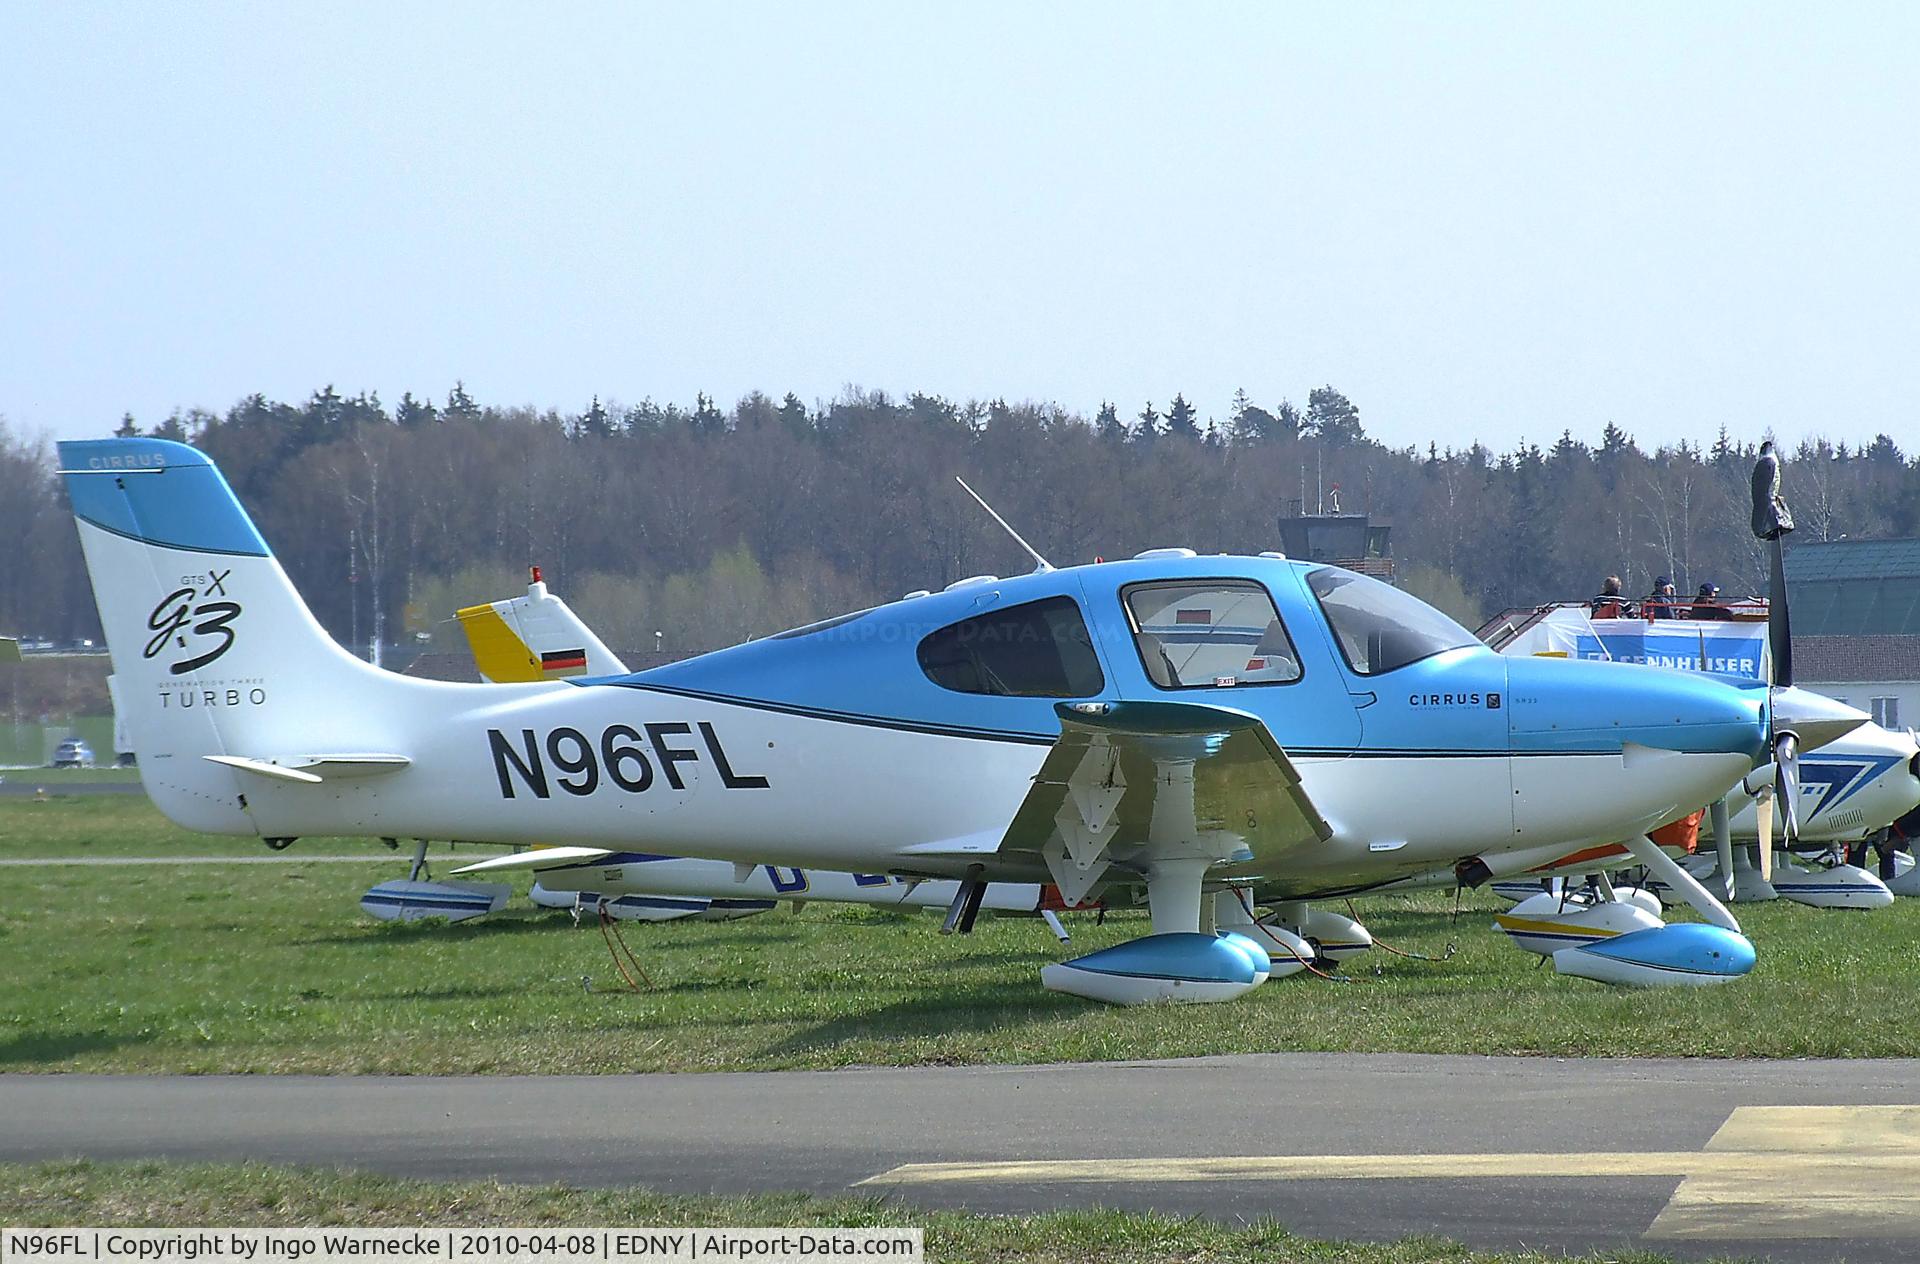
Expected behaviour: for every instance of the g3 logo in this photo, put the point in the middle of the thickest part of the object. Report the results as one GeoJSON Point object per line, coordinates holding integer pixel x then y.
{"type": "Point", "coordinates": [180, 614]}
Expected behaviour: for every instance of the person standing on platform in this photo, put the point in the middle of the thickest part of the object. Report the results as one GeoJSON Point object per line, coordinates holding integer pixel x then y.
{"type": "Point", "coordinates": [1706, 603]}
{"type": "Point", "coordinates": [1659, 602]}
{"type": "Point", "coordinates": [1609, 604]}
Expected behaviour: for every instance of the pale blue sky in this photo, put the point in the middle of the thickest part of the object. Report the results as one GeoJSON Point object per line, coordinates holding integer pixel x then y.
{"type": "Point", "coordinates": [1478, 220]}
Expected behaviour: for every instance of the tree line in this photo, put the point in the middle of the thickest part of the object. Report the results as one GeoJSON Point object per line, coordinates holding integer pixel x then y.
{"type": "Point", "coordinates": [707, 525]}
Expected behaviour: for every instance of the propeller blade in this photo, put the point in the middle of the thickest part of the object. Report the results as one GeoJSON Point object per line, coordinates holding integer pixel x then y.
{"type": "Point", "coordinates": [1722, 846]}
{"type": "Point", "coordinates": [1786, 784]}
{"type": "Point", "coordinates": [1763, 818]}
{"type": "Point", "coordinates": [1771, 520]}
{"type": "Point", "coordinates": [1779, 621]}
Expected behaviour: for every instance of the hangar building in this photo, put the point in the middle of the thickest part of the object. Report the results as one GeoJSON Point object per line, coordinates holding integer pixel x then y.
{"type": "Point", "coordinates": [1856, 624]}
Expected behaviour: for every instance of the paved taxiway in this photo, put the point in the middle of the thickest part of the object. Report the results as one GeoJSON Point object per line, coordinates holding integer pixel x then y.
{"type": "Point", "coordinates": [1788, 1160]}
{"type": "Point", "coordinates": [109, 862]}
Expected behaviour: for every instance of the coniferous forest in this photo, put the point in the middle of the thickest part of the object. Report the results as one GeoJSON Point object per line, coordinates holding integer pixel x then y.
{"type": "Point", "coordinates": [708, 525]}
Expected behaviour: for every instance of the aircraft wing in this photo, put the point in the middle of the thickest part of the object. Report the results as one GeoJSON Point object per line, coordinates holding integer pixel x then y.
{"type": "Point", "coordinates": [1130, 782]}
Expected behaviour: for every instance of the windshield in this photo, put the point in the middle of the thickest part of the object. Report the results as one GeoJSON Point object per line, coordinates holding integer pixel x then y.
{"type": "Point", "coordinates": [1378, 626]}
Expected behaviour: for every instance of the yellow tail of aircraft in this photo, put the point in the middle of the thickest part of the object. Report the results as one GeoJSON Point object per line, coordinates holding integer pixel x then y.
{"type": "Point", "coordinates": [535, 637]}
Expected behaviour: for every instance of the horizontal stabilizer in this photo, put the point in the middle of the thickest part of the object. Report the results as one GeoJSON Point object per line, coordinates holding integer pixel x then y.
{"type": "Point", "coordinates": [313, 769]}
{"type": "Point", "coordinates": [264, 768]}
{"type": "Point", "coordinates": [334, 767]}
{"type": "Point", "coordinates": [538, 858]}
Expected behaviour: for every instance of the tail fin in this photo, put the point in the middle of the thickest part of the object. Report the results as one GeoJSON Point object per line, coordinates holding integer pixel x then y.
{"type": "Point", "coordinates": [535, 637]}
{"type": "Point", "coordinates": [215, 656]}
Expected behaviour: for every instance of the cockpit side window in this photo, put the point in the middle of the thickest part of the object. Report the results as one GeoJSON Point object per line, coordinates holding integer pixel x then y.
{"type": "Point", "coordinates": [1210, 634]}
{"type": "Point", "coordinates": [1040, 649]}
{"type": "Point", "coordinates": [1378, 626]}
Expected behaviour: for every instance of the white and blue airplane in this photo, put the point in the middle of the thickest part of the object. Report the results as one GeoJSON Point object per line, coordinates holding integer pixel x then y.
{"type": "Point", "coordinates": [1244, 730]}
{"type": "Point", "coordinates": [1849, 790]}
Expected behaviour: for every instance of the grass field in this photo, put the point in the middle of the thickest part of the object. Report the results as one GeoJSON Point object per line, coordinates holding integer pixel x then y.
{"type": "Point", "coordinates": [54, 778]}
{"type": "Point", "coordinates": [79, 825]}
{"type": "Point", "coordinates": [273, 968]}
{"type": "Point", "coordinates": [154, 1195]}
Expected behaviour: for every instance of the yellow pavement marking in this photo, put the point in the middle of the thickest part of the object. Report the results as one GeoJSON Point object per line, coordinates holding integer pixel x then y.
{"type": "Point", "coordinates": [1769, 1172]}
{"type": "Point", "coordinates": [1848, 1172]}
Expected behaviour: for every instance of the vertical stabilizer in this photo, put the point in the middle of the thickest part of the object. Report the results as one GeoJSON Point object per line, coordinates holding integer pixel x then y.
{"type": "Point", "coordinates": [535, 637]}
{"type": "Point", "coordinates": [214, 653]}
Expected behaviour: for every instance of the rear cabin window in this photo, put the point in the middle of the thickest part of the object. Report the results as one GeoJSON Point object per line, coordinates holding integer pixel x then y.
{"type": "Point", "coordinates": [1210, 634]}
{"type": "Point", "coordinates": [1038, 650]}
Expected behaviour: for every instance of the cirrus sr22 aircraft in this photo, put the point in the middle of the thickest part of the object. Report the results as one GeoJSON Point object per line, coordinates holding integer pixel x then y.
{"type": "Point", "coordinates": [1240, 730]}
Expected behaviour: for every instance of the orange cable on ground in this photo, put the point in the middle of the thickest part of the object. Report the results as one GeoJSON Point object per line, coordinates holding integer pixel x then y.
{"type": "Point", "coordinates": [611, 934]}
{"type": "Point", "coordinates": [1401, 952]}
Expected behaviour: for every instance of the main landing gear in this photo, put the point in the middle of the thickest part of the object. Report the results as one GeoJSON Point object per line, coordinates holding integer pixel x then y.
{"type": "Point", "coordinates": [417, 896]}
{"type": "Point", "coordinates": [1181, 962]}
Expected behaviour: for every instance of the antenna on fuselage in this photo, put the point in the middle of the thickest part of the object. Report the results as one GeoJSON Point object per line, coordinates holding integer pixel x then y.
{"type": "Point", "coordinates": [1043, 563]}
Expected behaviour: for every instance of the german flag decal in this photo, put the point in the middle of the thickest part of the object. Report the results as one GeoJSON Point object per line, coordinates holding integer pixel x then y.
{"type": "Point", "coordinates": [563, 662]}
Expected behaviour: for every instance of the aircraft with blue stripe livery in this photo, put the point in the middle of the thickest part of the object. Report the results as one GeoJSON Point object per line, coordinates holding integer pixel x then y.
{"type": "Point", "coordinates": [1078, 725]}
{"type": "Point", "coordinates": [1852, 788]}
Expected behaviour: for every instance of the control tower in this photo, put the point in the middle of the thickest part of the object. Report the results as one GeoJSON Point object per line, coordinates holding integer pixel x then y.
{"type": "Point", "coordinates": [1352, 540]}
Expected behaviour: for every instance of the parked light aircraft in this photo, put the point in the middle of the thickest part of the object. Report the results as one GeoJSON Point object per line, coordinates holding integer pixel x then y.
{"type": "Point", "coordinates": [1245, 729]}
{"type": "Point", "coordinates": [1849, 789]}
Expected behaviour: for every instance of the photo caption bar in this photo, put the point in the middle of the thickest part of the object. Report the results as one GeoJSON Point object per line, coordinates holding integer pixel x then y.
{"type": "Point", "coordinates": [456, 1246]}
